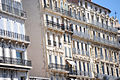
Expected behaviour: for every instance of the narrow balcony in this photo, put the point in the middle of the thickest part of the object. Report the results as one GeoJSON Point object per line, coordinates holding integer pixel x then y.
{"type": "Point", "coordinates": [82, 35]}
{"type": "Point", "coordinates": [75, 73]}
{"type": "Point", "coordinates": [15, 61]}
{"type": "Point", "coordinates": [102, 25]}
{"type": "Point", "coordinates": [104, 41]}
{"type": "Point", "coordinates": [14, 36]}
{"type": "Point", "coordinates": [58, 67]}
{"type": "Point", "coordinates": [13, 11]}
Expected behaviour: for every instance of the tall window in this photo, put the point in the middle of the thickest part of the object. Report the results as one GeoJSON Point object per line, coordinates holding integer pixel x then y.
{"type": "Point", "coordinates": [97, 68]}
{"type": "Point", "coordinates": [56, 62]}
{"type": "Point", "coordinates": [64, 37]}
{"type": "Point", "coordinates": [117, 73]}
{"type": "Point", "coordinates": [19, 55]}
{"type": "Point", "coordinates": [103, 69]}
{"type": "Point", "coordinates": [82, 48]}
{"type": "Point", "coordinates": [68, 38]}
{"type": "Point", "coordinates": [107, 70]}
{"type": "Point", "coordinates": [106, 57]}
{"type": "Point", "coordinates": [84, 67]}
{"type": "Point", "coordinates": [65, 52]}
{"type": "Point", "coordinates": [79, 15]}
{"type": "Point", "coordinates": [96, 55]}
{"type": "Point", "coordinates": [44, 3]}
{"type": "Point", "coordinates": [61, 60]}
{"type": "Point", "coordinates": [88, 67]}
{"type": "Point", "coordinates": [115, 56]}
{"type": "Point", "coordinates": [112, 71]}
{"type": "Point", "coordinates": [50, 4]}
{"type": "Point", "coordinates": [70, 52]}
{"type": "Point", "coordinates": [101, 54]}
{"type": "Point", "coordinates": [50, 59]}
{"type": "Point", "coordinates": [80, 66]}
{"type": "Point", "coordinates": [78, 45]}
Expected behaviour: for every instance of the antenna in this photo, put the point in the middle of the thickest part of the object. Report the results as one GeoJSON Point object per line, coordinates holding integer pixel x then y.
{"type": "Point", "coordinates": [115, 14]}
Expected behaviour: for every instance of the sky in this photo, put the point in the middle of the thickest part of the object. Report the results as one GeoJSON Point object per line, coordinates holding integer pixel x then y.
{"type": "Point", "coordinates": [113, 5]}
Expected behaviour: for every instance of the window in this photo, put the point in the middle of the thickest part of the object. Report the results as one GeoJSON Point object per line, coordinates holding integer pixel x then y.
{"type": "Point", "coordinates": [107, 70]}
{"type": "Point", "coordinates": [96, 8]}
{"type": "Point", "coordinates": [64, 37]}
{"type": "Point", "coordinates": [70, 52]}
{"type": "Point", "coordinates": [19, 55]}
{"type": "Point", "coordinates": [74, 13]}
{"type": "Point", "coordinates": [80, 66]}
{"type": "Point", "coordinates": [70, 12]}
{"type": "Point", "coordinates": [100, 10]}
{"type": "Point", "coordinates": [101, 54]}
{"type": "Point", "coordinates": [68, 38]}
{"type": "Point", "coordinates": [88, 67]}
{"type": "Point", "coordinates": [93, 33]}
{"type": "Point", "coordinates": [115, 56]}
{"type": "Point", "coordinates": [50, 59]}
{"type": "Point", "coordinates": [76, 27]}
{"type": "Point", "coordinates": [103, 36]}
{"type": "Point", "coordinates": [51, 4]}
{"type": "Point", "coordinates": [112, 71]}
{"type": "Point", "coordinates": [65, 52]}
{"type": "Point", "coordinates": [80, 29]}
{"type": "Point", "coordinates": [82, 46]}
{"type": "Point", "coordinates": [106, 57]}
{"type": "Point", "coordinates": [61, 60]}
{"type": "Point", "coordinates": [117, 73]}
{"type": "Point", "coordinates": [86, 5]}
{"type": "Point", "coordinates": [97, 68]}
{"type": "Point", "coordinates": [44, 3]}
{"type": "Point", "coordinates": [88, 15]}
{"type": "Point", "coordinates": [96, 55]}
{"type": "Point", "coordinates": [98, 34]}
{"type": "Point", "coordinates": [78, 45]}
{"type": "Point", "coordinates": [84, 30]}
{"type": "Point", "coordinates": [103, 69]}
{"type": "Point", "coordinates": [79, 15]}
{"type": "Point", "coordinates": [97, 19]}
{"type": "Point", "coordinates": [56, 62]}
{"type": "Point", "coordinates": [23, 78]}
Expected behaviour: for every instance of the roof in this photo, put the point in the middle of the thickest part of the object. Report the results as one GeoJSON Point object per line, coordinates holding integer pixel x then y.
{"type": "Point", "coordinates": [77, 1]}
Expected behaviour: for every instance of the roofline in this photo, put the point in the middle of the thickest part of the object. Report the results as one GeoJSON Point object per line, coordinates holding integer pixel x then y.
{"type": "Point", "coordinates": [99, 6]}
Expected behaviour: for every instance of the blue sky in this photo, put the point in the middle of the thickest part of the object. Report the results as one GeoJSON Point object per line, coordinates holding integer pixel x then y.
{"type": "Point", "coordinates": [113, 5]}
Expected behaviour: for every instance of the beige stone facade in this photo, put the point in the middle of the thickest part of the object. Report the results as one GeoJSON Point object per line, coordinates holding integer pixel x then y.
{"type": "Point", "coordinates": [71, 40]}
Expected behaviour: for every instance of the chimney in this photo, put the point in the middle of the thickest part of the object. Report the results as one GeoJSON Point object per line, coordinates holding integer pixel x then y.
{"type": "Point", "coordinates": [90, 0]}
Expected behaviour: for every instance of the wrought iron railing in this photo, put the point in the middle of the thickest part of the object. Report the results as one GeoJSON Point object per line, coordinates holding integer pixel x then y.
{"type": "Point", "coordinates": [57, 66]}
{"type": "Point", "coordinates": [8, 60]}
{"type": "Point", "coordinates": [13, 35]}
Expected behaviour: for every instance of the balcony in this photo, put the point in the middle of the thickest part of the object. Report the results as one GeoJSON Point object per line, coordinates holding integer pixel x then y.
{"type": "Point", "coordinates": [14, 36]}
{"type": "Point", "coordinates": [15, 61]}
{"type": "Point", "coordinates": [58, 67]}
{"type": "Point", "coordinates": [80, 73]}
{"type": "Point", "coordinates": [83, 19]}
{"type": "Point", "coordinates": [13, 11]}
{"type": "Point", "coordinates": [104, 26]}
{"type": "Point", "coordinates": [101, 76]}
{"type": "Point", "coordinates": [104, 41]}
{"type": "Point", "coordinates": [82, 35]}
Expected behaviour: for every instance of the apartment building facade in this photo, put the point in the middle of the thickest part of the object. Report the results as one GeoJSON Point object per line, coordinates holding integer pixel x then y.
{"type": "Point", "coordinates": [71, 40]}
{"type": "Point", "coordinates": [14, 64]}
